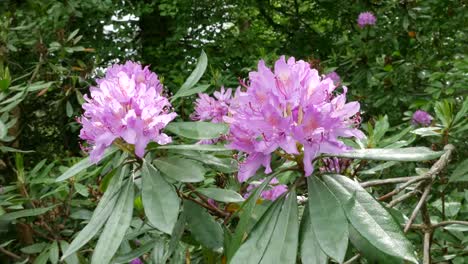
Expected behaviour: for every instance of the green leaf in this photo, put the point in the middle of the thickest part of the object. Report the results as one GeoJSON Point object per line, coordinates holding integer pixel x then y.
{"type": "Point", "coordinates": [100, 215]}
{"type": "Point", "coordinates": [3, 130]}
{"type": "Point", "coordinates": [256, 244]}
{"type": "Point", "coordinates": [42, 258]}
{"type": "Point", "coordinates": [370, 218]}
{"type": "Point", "coordinates": [198, 147]}
{"type": "Point", "coordinates": [460, 174]}
{"type": "Point", "coordinates": [328, 220]}
{"type": "Point", "coordinates": [195, 76]}
{"type": "Point", "coordinates": [380, 128]}
{"type": "Point", "coordinates": [135, 253]}
{"type": "Point", "coordinates": [203, 227]}
{"type": "Point", "coordinates": [221, 195]}
{"type": "Point", "coordinates": [34, 248]}
{"type": "Point", "coordinates": [160, 200]}
{"type": "Point", "coordinates": [247, 209]}
{"type": "Point", "coordinates": [311, 252]}
{"type": "Point", "coordinates": [24, 213]}
{"type": "Point", "coordinates": [10, 149]}
{"type": "Point", "coordinates": [181, 169]}
{"type": "Point", "coordinates": [71, 259]}
{"type": "Point", "coordinates": [54, 253]}
{"type": "Point", "coordinates": [177, 233]}
{"type": "Point", "coordinates": [69, 109]}
{"type": "Point", "coordinates": [402, 154]}
{"type": "Point", "coordinates": [282, 247]}
{"type": "Point", "coordinates": [427, 131]}
{"type": "Point", "coordinates": [198, 89]}
{"type": "Point", "coordinates": [82, 165]}
{"type": "Point", "coordinates": [197, 130]}
{"type": "Point", "coordinates": [116, 226]}
{"type": "Point", "coordinates": [370, 252]}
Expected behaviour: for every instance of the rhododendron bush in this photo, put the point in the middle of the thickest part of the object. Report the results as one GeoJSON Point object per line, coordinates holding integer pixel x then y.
{"type": "Point", "coordinates": [282, 133]}
{"type": "Point", "coordinates": [264, 158]}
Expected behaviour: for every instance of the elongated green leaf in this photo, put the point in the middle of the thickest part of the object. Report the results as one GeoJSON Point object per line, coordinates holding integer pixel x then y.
{"type": "Point", "coordinates": [197, 130]}
{"type": "Point", "coordinates": [283, 244]}
{"type": "Point", "coordinates": [196, 74]}
{"type": "Point", "coordinates": [328, 220]}
{"type": "Point", "coordinates": [402, 154]}
{"type": "Point", "coordinates": [3, 130]}
{"type": "Point", "coordinates": [221, 195]}
{"type": "Point", "coordinates": [24, 213]}
{"type": "Point", "coordinates": [197, 147]}
{"type": "Point", "coordinates": [181, 169]}
{"type": "Point", "coordinates": [246, 210]}
{"type": "Point", "coordinates": [116, 226]}
{"type": "Point", "coordinates": [177, 233]}
{"type": "Point", "coordinates": [82, 165]}
{"type": "Point", "coordinates": [369, 252]}
{"type": "Point", "coordinates": [34, 248]}
{"type": "Point", "coordinates": [54, 253]}
{"type": "Point", "coordinates": [370, 218]}
{"type": "Point", "coordinates": [203, 227]}
{"type": "Point", "coordinates": [379, 167]}
{"type": "Point", "coordinates": [198, 89]}
{"type": "Point", "coordinates": [10, 149]}
{"type": "Point", "coordinates": [100, 215]}
{"type": "Point", "coordinates": [73, 258]}
{"type": "Point", "coordinates": [311, 252]}
{"type": "Point", "coordinates": [460, 174]}
{"type": "Point", "coordinates": [160, 201]}
{"type": "Point", "coordinates": [42, 258]}
{"type": "Point", "coordinates": [225, 164]}
{"type": "Point", "coordinates": [251, 252]}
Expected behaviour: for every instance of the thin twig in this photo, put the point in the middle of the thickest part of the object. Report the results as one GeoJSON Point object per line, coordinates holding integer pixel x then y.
{"type": "Point", "coordinates": [403, 197]}
{"type": "Point", "coordinates": [418, 207]}
{"type": "Point", "coordinates": [404, 186]}
{"type": "Point", "coordinates": [208, 204]}
{"type": "Point", "coordinates": [354, 258]}
{"type": "Point", "coordinates": [450, 222]}
{"type": "Point", "coordinates": [388, 181]}
{"type": "Point", "coordinates": [9, 253]}
{"type": "Point", "coordinates": [427, 247]}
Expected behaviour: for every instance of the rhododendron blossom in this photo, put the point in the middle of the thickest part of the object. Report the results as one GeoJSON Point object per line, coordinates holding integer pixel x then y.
{"type": "Point", "coordinates": [366, 19]}
{"type": "Point", "coordinates": [291, 109]}
{"type": "Point", "coordinates": [126, 104]}
{"type": "Point", "coordinates": [421, 117]}
{"type": "Point", "coordinates": [212, 109]}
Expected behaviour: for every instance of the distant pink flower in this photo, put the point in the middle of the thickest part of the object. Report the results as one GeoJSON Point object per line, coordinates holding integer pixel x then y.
{"type": "Point", "coordinates": [126, 104]}
{"type": "Point", "coordinates": [421, 117]}
{"type": "Point", "coordinates": [271, 192]}
{"type": "Point", "coordinates": [291, 109]}
{"type": "Point", "coordinates": [212, 109]}
{"type": "Point", "coordinates": [334, 77]}
{"type": "Point", "coordinates": [366, 19]}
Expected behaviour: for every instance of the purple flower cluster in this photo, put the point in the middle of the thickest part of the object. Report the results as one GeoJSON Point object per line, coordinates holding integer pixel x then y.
{"type": "Point", "coordinates": [366, 19]}
{"type": "Point", "coordinates": [212, 109]}
{"type": "Point", "coordinates": [292, 109]}
{"type": "Point", "coordinates": [272, 191]}
{"type": "Point", "coordinates": [422, 118]}
{"type": "Point", "coordinates": [126, 104]}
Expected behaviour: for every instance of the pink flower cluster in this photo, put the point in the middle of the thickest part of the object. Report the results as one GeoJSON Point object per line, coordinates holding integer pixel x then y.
{"type": "Point", "coordinates": [271, 192]}
{"type": "Point", "coordinates": [126, 104]}
{"type": "Point", "coordinates": [422, 118]}
{"type": "Point", "coordinates": [291, 109]}
{"type": "Point", "coordinates": [212, 109]}
{"type": "Point", "coordinates": [366, 19]}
